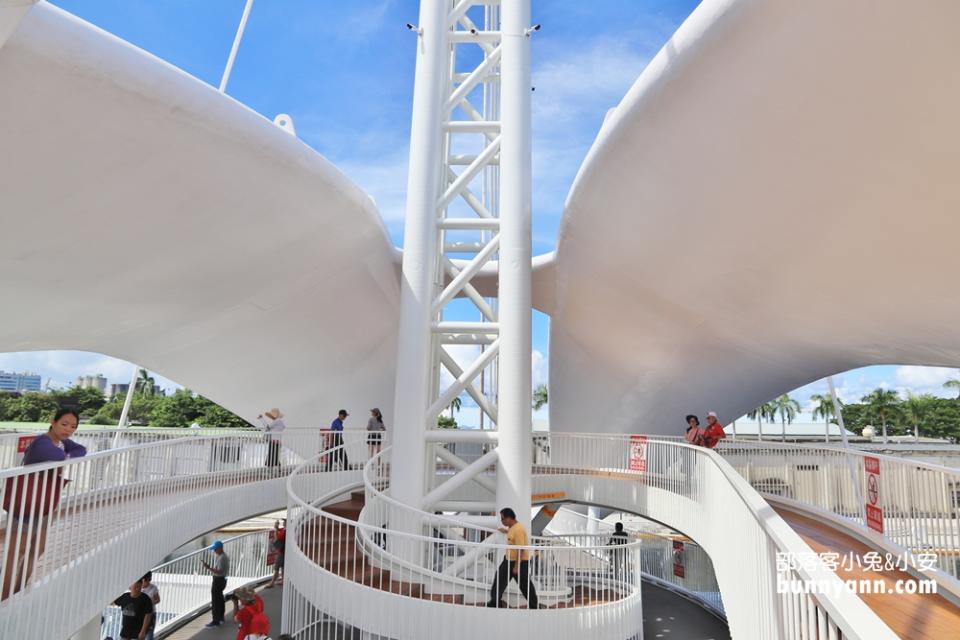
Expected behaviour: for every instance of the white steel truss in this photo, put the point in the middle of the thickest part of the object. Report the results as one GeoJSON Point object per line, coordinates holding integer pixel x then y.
{"type": "Point", "coordinates": [468, 211]}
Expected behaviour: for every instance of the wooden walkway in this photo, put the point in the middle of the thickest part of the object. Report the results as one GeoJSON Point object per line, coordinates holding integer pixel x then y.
{"type": "Point", "coordinates": [911, 616]}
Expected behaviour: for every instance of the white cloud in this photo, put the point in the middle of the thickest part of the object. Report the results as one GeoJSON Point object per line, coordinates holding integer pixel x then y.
{"type": "Point", "coordinates": [540, 368]}
{"type": "Point", "coordinates": [586, 81]}
{"type": "Point", "coordinates": [385, 179]}
{"type": "Point", "coordinates": [926, 379]}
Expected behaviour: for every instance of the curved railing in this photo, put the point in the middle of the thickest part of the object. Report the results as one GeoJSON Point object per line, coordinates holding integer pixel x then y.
{"type": "Point", "coordinates": [673, 562]}
{"type": "Point", "coordinates": [94, 536]}
{"type": "Point", "coordinates": [918, 502]}
{"type": "Point", "coordinates": [12, 443]}
{"type": "Point", "coordinates": [185, 585]}
{"type": "Point", "coordinates": [350, 572]}
{"type": "Point", "coordinates": [89, 526]}
{"type": "Point", "coordinates": [697, 492]}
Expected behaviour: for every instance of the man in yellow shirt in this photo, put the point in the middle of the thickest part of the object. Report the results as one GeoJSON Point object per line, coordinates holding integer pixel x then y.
{"type": "Point", "coordinates": [516, 562]}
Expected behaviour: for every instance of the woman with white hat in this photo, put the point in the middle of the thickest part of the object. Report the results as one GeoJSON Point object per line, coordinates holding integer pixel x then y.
{"type": "Point", "coordinates": [274, 426]}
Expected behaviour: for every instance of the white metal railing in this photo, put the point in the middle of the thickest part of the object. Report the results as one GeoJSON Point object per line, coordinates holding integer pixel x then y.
{"type": "Point", "coordinates": [696, 579]}
{"type": "Point", "coordinates": [699, 493]}
{"type": "Point", "coordinates": [12, 443]}
{"type": "Point", "coordinates": [346, 576]}
{"type": "Point", "coordinates": [920, 502]}
{"type": "Point", "coordinates": [91, 525]}
{"type": "Point", "coordinates": [185, 585]}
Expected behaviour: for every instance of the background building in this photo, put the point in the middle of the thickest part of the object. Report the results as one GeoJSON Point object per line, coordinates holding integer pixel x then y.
{"type": "Point", "coordinates": [92, 382]}
{"type": "Point", "coordinates": [19, 381]}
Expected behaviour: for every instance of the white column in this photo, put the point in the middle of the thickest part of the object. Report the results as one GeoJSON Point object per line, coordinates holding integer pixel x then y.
{"type": "Point", "coordinates": [593, 515]}
{"type": "Point", "coordinates": [124, 413]}
{"type": "Point", "coordinates": [417, 284]}
{"type": "Point", "coordinates": [514, 384]}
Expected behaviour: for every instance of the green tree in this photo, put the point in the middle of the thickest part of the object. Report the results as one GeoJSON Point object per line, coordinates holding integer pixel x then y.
{"type": "Point", "coordinates": [177, 410]}
{"type": "Point", "coordinates": [540, 397]}
{"type": "Point", "coordinates": [787, 408]}
{"type": "Point", "coordinates": [446, 422]}
{"type": "Point", "coordinates": [883, 405]}
{"type": "Point", "coordinates": [953, 384]}
{"type": "Point", "coordinates": [9, 407]}
{"type": "Point", "coordinates": [145, 383]}
{"type": "Point", "coordinates": [455, 405]}
{"type": "Point", "coordinates": [85, 400]}
{"type": "Point", "coordinates": [767, 412]}
{"type": "Point", "coordinates": [917, 409]}
{"type": "Point", "coordinates": [213, 416]}
{"type": "Point", "coordinates": [824, 409]}
{"type": "Point", "coordinates": [141, 411]}
{"type": "Point", "coordinates": [37, 407]}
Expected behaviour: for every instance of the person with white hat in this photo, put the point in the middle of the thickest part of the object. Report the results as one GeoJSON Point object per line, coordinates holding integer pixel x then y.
{"type": "Point", "coordinates": [714, 431]}
{"type": "Point", "coordinates": [274, 427]}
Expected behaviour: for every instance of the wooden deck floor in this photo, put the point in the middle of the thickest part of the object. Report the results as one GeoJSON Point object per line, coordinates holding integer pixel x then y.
{"type": "Point", "coordinates": [911, 616]}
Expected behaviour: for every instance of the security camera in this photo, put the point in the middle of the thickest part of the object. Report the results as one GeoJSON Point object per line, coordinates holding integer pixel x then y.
{"type": "Point", "coordinates": [473, 32]}
{"type": "Point", "coordinates": [530, 30]}
{"type": "Point", "coordinates": [417, 30]}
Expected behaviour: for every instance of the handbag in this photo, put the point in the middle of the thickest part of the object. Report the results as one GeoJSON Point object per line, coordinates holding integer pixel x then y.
{"type": "Point", "coordinates": [20, 493]}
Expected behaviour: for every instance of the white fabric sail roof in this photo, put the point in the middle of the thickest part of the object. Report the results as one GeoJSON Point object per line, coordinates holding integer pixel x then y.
{"type": "Point", "coordinates": [762, 127]}
{"type": "Point", "coordinates": [148, 217]}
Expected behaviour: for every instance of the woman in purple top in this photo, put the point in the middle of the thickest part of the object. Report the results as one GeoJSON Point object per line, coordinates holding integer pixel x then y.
{"type": "Point", "coordinates": [30, 498]}
{"type": "Point", "coordinates": [55, 445]}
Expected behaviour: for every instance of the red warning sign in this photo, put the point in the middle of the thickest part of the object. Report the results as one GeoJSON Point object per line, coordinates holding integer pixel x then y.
{"type": "Point", "coordinates": [871, 467]}
{"type": "Point", "coordinates": [638, 453]}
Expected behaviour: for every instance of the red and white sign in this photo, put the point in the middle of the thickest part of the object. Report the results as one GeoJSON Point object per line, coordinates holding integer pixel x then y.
{"type": "Point", "coordinates": [638, 453]}
{"type": "Point", "coordinates": [678, 559]}
{"type": "Point", "coordinates": [22, 443]}
{"type": "Point", "coordinates": [874, 506]}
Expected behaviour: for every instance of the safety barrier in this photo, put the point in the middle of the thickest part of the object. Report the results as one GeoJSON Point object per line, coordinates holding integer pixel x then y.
{"type": "Point", "coordinates": [670, 561]}
{"type": "Point", "coordinates": [91, 525]}
{"type": "Point", "coordinates": [699, 494]}
{"type": "Point", "coordinates": [915, 506]}
{"type": "Point", "coordinates": [357, 574]}
{"type": "Point", "coordinates": [185, 585]}
{"type": "Point", "coordinates": [13, 443]}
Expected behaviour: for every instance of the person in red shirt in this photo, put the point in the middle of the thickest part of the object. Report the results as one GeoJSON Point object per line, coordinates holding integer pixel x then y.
{"type": "Point", "coordinates": [251, 609]}
{"type": "Point", "coordinates": [714, 432]}
{"type": "Point", "coordinates": [259, 626]}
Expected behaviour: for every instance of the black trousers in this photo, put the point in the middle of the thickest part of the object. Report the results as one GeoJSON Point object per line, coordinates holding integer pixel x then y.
{"type": "Point", "coordinates": [336, 440]}
{"type": "Point", "coordinates": [216, 598]}
{"type": "Point", "coordinates": [504, 575]}
{"type": "Point", "coordinates": [273, 454]}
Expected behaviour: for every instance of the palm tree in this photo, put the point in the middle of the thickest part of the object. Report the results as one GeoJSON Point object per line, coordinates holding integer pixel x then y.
{"type": "Point", "coordinates": [787, 408]}
{"type": "Point", "coordinates": [540, 397]}
{"type": "Point", "coordinates": [917, 410]}
{"type": "Point", "coordinates": [767, 412]}
{"type": "Point", "coordinates": [953, 384]}
{"type": "Point", "coordinates": [758, 415]}
{"type": "Point", "coordinates": [455, 405]}
{"type": "Point", "coordinates": [883, 405]}
{"type": "Point", "coordinates": [145, 383]}
{"type": "Point", "coordinates": [824, 409]}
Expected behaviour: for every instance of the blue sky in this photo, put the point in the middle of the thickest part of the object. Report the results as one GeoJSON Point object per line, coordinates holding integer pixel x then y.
{"type": "Point", "coordinates": [344, 72]}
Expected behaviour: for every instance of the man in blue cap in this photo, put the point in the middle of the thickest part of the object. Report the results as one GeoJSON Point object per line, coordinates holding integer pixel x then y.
{"type": "Point", "coordinates": [219, 569]}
